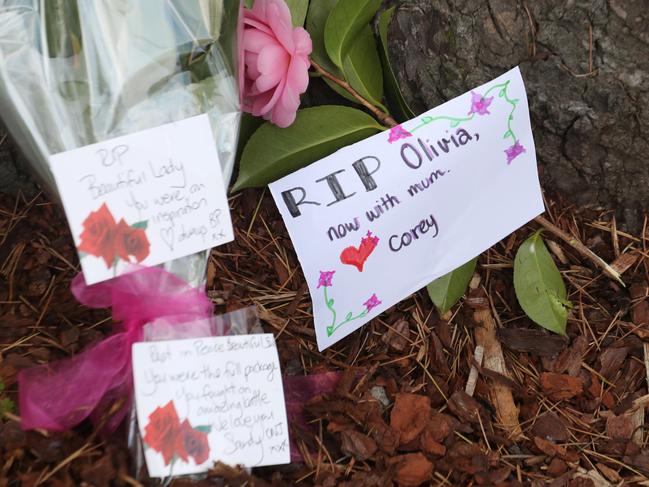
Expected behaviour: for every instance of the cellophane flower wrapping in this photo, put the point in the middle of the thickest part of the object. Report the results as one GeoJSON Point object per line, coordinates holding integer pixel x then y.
{"type": "Point", "coordinates": [77, 72]}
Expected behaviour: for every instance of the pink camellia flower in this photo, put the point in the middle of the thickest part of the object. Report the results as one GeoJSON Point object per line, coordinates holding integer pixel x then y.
{"type": "Point", "coordinates": [325, 278]}
{"type": "Point", "coordinates": [276, 59]}
{"type": "Point", "coordinates": [398, 132]}
{"type": "Point", "coordinates": [514, 151]}
{"type": "Point", "coordinates": [371, 303]}
{"type": "Point", "coordinates": [479, 104]}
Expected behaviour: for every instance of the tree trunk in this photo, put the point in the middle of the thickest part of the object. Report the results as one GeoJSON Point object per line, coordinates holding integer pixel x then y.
{"type": "Point", "coordinates": [586, 69]}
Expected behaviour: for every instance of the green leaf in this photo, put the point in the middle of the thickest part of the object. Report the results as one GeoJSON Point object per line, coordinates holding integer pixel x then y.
{"type": "Point", "coordinates": [396, 102]}
{"type": "Point", "coordinates": [249, 125]}
{"type": "Point", "coordinates": [248, 3]}
{"type": "Point", "coordinates": [273, 152]}
{"type": "Point", "coordinates": [362, 67]}
{"type": "Point", "coordinates": [448, 289]}
{"type": "Point", "coordinates": [6, 406]}
{"type": "Point", "coordinates": [539, 287]}
{"type": "Point", "coordinates": [298, 10]}
{"type": "Point", "coordinates": [204, 428]}
{"type": "Point", "coordinates": [143, 224]}
{"type": "Point", "coordinates": [316, 18]}
{"type": "Point", "coordinates": [345, 22]}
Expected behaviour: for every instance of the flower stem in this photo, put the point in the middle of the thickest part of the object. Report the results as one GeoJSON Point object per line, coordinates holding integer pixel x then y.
{"type": "Point", "coordinates": [384, 118]}
{"type": "Point", "coordinates": [503, 93]}
{"type": "Point", "coordinates": [347, 320]}
{"type": "Point", "coordinates": [329, 304]}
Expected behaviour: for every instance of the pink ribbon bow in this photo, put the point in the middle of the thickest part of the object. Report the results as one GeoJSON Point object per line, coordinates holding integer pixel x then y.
{"type": "Point", "coordinates": [60, 395]}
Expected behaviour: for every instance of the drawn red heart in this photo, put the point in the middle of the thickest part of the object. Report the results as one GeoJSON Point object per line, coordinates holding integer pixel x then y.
{"type": "Point", "coordinates": [357, 256]}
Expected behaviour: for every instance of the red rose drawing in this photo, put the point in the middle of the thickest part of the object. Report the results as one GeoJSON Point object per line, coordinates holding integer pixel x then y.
{"type": "Point", "coordinates": [161, 432]}
{"type": "Point", "coordinates": [192, 442]}
{"type": "Point", "coordinates": [98, 233]}
{"type": "Point", "coordinates": [131, 241]}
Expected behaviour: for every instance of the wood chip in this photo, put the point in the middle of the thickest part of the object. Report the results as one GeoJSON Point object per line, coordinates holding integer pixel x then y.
{"type": "Point", "coordinates": [619, 427]}
{"type": "Point", "coordinates": [409, 416]}
{"type": "Point", "coordinates": [412, 469]}
{"type": "Point", "coordinates": [478, 355]}
{"type": "Point", "coordinates": [561, 386]}
{"type": "Point", "coordinates": [624, 262]}
{"type": "Point", "coordinates": [501, 395]}
{"type": "Point", "coordinates": [358, 445]}
{"type": "Point", "coordinates": [551, 427]}
{"type": "Point", "coordinates": [535, 341]}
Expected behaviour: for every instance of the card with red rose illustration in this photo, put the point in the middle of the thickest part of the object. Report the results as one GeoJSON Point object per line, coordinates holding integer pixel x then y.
{"type": "Point", "coordinates": [200, 400]}
{"type": "Point", "coordinates": [380, 219]}
{"type": "Point", "coordinates": [145, 198]}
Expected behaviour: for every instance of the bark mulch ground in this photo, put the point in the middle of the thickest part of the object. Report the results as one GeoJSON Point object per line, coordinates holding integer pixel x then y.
{"type": "Point", "coordinates": [481, 396]}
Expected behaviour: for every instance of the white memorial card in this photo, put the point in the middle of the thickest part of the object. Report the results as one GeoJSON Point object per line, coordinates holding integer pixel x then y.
{"type": "Point", "coordinates": [200, 400]}
{"type": "Point", "coordinates": [144, 198]}
{"type": "Point", "coordinates": [380, 219]}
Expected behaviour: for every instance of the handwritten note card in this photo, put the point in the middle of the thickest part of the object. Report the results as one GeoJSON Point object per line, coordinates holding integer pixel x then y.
{"type": "Point", "coordinates": [205, 399]}
{"type": "Point", "coordinates": [380, 219]}
{"type": "Point", "coordinates": [144, 198]}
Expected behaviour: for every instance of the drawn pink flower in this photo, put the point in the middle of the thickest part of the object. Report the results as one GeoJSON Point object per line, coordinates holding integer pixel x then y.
{"type": "Point", "coordinates": [514, 151]}
{"type": "Point", "coordinates": [398, 132]}
{"type": "Point", "coordinates": [479, 104]}
{"type": "Point", "coordinates": [325, 278]}
{"type": "Point", "coordinates": [371, 303]}
{"type": "Point", "coordinates": [276, 59]}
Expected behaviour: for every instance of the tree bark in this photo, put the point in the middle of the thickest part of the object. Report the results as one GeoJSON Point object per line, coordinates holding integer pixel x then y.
{"type": "Point", "coordinates": [586, 69]}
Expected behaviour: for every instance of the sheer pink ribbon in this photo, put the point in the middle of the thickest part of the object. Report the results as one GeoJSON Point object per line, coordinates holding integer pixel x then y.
{"type": "Point", "coordinates": [60, 395]}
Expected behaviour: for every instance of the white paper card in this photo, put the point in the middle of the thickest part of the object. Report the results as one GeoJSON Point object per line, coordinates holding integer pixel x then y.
{"type": "Point", "coordinates": [380, 219]}
{"type": "Point", "coordinates": [144, 198]}
{"type": "Point", "coordinates": [200, 400]}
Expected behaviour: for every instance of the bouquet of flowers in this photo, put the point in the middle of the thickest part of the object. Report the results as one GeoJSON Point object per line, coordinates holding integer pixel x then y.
{"type": "Point", "coordinates": [76, 72]}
